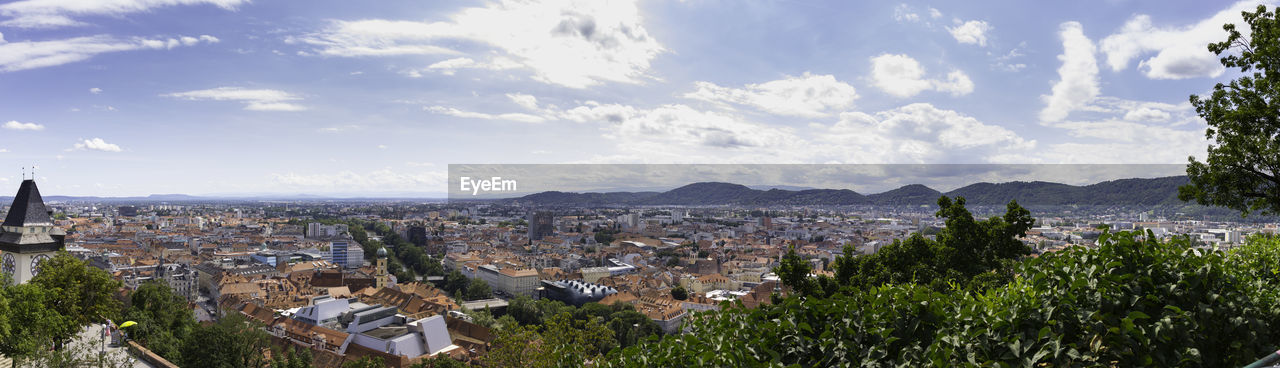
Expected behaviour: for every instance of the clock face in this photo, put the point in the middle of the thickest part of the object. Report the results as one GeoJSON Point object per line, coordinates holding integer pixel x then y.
{"type": "Point", "coordinates": [10, 264]}
{"type": "Point", "coordinates": [35, 264]}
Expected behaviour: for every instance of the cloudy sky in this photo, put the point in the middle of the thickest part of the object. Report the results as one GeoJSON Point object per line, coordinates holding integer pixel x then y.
{"type": "Point", "coordinates": [134, 97]}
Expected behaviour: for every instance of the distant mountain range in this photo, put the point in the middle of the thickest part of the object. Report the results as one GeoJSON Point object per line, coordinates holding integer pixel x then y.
{"type": "Point", "coordinates": [1158, 191]}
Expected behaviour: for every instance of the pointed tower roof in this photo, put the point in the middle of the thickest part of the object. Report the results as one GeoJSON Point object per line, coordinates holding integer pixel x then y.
{"type": "Point", "coordinates": [28, 207]}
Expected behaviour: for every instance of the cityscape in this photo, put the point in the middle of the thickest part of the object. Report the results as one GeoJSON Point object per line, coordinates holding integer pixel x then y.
{"type": "Point", "coordinates": [639, 183]}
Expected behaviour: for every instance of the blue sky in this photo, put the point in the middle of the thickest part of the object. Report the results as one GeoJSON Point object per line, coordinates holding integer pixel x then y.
{"type": "Point", "coordinates": [134, 97]}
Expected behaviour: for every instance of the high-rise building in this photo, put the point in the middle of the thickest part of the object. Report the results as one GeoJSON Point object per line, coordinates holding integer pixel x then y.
{"type": "Point", "coordinates": [541, 224]}
{"type": "Point", "coordinates": [28, 236]}
{"type": "Point", "coordinates": [345, 253]}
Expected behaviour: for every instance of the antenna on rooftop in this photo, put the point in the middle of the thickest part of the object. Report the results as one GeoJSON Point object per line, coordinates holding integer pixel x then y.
{"type": "Point", "coordinates": [33, 172]}
{"type": "Point", "coordinates": [24, 173]}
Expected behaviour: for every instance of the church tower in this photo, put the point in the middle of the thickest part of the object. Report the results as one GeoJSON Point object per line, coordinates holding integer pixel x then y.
{"type": "Point", "coordinates": [28, 236]}
{"type": "Point", "coordinates": [381, 279]}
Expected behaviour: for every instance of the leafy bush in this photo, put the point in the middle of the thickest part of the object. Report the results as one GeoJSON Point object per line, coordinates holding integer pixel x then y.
{"type": "Point", "coordinates": [1130, 302]}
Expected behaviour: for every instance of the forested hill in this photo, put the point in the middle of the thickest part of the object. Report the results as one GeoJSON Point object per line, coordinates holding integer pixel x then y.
{"type": "Point", "coordinates": [1158, 191]}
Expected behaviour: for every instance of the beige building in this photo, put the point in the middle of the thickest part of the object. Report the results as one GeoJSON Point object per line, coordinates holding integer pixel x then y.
{"type": "Point", "coordinates": [509, 280]}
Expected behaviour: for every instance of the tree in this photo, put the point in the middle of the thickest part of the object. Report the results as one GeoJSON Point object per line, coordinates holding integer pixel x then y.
{"type": "Point", "coordinates": [234, 341]}
{"type": "Point", "coordinates": [32, 326]}
{"type": "Point", "coordinates": [85, 293]}
{"type": "Point", "coordinates": [561, 341]}
{"type": "Point", "coordinates": [478, 289]}
{"type": "Point", "coordinates": [365, 362]}
{"type": "Point", "coordinates": [440, 361]}
{"type": "Point", "coordinates": [1242, 168]}
{"type": "Point", "coordinates": [292, 357]}
{"type": "Point", "coordinates": [164, 320]}
{"type": "Point", "coordinates": [679, 293]}
{"type": "Point", "coordinates": [793, 271]}
{"type": "Point", "coordinates": [455, 283]}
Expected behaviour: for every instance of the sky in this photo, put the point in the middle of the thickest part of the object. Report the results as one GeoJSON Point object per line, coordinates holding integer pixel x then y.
{"type": "Point", "coordinates": [216, 97]}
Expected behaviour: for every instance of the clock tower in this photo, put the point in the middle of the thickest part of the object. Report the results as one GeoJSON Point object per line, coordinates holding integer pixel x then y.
{"type": "Point", "coordinates": [28, 236]}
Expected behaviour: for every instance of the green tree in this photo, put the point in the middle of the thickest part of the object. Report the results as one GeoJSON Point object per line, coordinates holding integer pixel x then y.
{"type": "Point", "coordinates": [33, 326]}
{"type": "Point", "coordinates": [679, 293]}
{"type": "Point", "coordinates": [794, 271]}
{"type": "Point", "coordinates": [234, 341]}
{"type": "Point", "coordinates": [561, 341]}
{"type": "Point", "coordinates": [455, 283]}
{"type": "Point", "coordinates": [164, 319]}
{"type": "Point", "coordinates": [86, 294]}
{"type": "Point", "coordinates": [292, 357]}
{"type": "Point", "coordinates": [630, 327]}
{"type": "Point", "coordinates": [440, 361]}
{"type": "Point", "coordinates": [365, 362]}
{"type": "Point", "coordinates": [1242, 168]}
{"type": "Point", "coordinates": [478, 289]}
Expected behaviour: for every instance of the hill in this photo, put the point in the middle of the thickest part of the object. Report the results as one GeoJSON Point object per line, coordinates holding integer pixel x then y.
{"type": "Point", "coordinates": [1158, 191]}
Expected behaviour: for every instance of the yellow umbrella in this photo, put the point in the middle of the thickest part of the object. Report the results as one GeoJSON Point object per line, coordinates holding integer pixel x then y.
{"type": "Point", "coordinates": [127, 324]}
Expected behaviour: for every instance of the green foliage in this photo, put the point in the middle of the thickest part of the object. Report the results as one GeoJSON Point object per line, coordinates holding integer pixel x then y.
{"type": "Point", "coordinates": [439, 361]}
{"type": "Point", "coordinates": [32, 325]}
{"type": "Point", "coordinates": [234, 341]}
{"type": "Point", "coordinates": [679, 293]}
{"type": "Point", "coordinates": [478, 289]}
{"type": "Point", "coordinates": [163, 319]}
{"type": "Point", "coordinates": [365, 362]}
{"type": "Point", "coordinates": [455, 283]}
{"type": "Point", "coordinates": [1242, 168]}
{"type": "Point", "coordinates": [964, 249]}
{"type": "Point", "coordinates": [85, 294]}
{"type": "Point", "coordinates": [561, 341]}
{"type": "Point", "coordinates": [39, 318]}
{"type": "Point", "coordinates": [292, 357]}
{"type": "Point", "coordinates": [626, 324]}
{"type": "Point", "coordinates": [1132, 301]}
{"type": "Point", "coordinates": [794, 272]}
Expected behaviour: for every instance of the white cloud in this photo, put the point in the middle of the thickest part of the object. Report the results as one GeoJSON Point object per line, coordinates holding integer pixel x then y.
{"type": "Point", "coordinates": [902, 76]}
{"type": "Point", "coordinates": [1180, 52]}
{"type": "Point", "coordinates": [934, 13]}
{"type": "Point", "coordinates": [1008, 61]}
{"type": "Point", "coordinates": [573, 43]}
{"type": "Point", "coordinates": [23, 55]}
{"type": "Point", "coordinates": [16, 125]}
{"type": "Point", "coordinates": [971, 32]}
{"type": "Point", "coordinates": [95, 90]}
{"type": "Point", "coordinates": [452, 66]}
{"type": "Point", "coordinates": [1077, 77]}
{"type": "Point", "coordinates": [59, 13]}
{"type": "Point", "coordinates": [341, 128]}
{"type": "Point", "coordinates": [683, 125]}
{"type": "Point", "coordinates": [524, 100]}
{"type": "Point", "coordinates": [517, 117]}
{"type": "Point", "coordinates": [957, 84]}
{"type": "Point", "coordinates": [4, 150]}
{"type": "Point", "coordinates": [904, 13]}
{"type": "Point", "coordinates": [808, 95]}
{"type": "Point", "coordinates": [917, 132]}
{"type": "Point", "coordinates": [254, 99]}
{"type": "Point", "coordinates": [96, 144]}
{"type": "Point", "coordinates": [1147, 114]}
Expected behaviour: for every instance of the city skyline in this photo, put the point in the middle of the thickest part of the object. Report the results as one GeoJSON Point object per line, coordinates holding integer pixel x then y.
{"type": "Point", "coordinates": [210, 97]}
